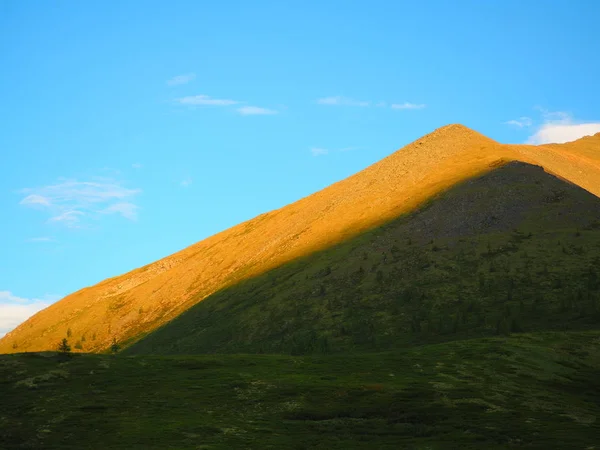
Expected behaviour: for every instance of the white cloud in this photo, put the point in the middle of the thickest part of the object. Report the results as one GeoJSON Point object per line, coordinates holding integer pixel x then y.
{"type": "Point", "coordinates": [70, 201]}
{"type": "Point", "coordinates": [347, 101]}
{"type": "Point", "coordinates": [41, 239]}
{"type": "Point", "coordinates": [551, 116]}
{"type": "Point", "coordinates": [255, 110]}
{"type": "Point", "coordinates": [181, 79]}
{"type": "Point", "coordinates": [205, 100]}
{"type": "Point", "coordinates": [320, 151]}
{"type": "Point", "coordinates": [34, 199]}
{"type": "Point", "coordinates": [407, 105]}
{"type": "Point", "coordinates": [521, 122]}
{"type": "Point", "coordinates": [316, 151]}
{"type": "Point", "coordinates": [68, 217]}
{"type": "Point", "coordinates": [342, 101]}
{"type": "Point", "coordinates": [126, 209]}
{"type": "Point", "coordinates": [136, 165]}
{"type": "Point", "coordinates": [15, 310]}
{"type": "Point", "coordinates": [560, 127]}
{"type": "Point", "coordinates": [185, 182]}
{"type": "Point", "coordinates": [8, 297]}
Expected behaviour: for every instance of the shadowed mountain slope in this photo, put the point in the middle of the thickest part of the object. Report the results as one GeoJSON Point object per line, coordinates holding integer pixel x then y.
{"type": "Point", "coordinates": [132, 305]}
{"type": "Point", "coordinates": [516, 249]}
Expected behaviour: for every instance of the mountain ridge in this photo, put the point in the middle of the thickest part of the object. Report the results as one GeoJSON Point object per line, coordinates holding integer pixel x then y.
{"type": "Point", "coordinates": [470, 262]}
{"type": "Point", "coordinates": [133, 304]}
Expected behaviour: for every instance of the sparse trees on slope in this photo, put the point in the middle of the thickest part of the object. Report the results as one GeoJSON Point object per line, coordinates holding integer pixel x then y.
{"type": "Point", "coordinates": [64, 346]}
{"type": "Point", "coordinates": [115, 347]}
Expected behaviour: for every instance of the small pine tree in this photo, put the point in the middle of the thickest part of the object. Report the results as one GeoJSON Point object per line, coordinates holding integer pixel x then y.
{"type": "Point", "coordinates": [64, 346]}
{"type": "Point", "coordinates": [481, 282]}
{"type": "Point", "coordinates": [515, 325]}
{"type": "Point", "coordinates": [455, 323]}
{"type": "Point", "coordinates": [69, 333]}
{"type": "Point", "coordinates": [115, 347]}
{"type": "Point", "coordinates": [502, 326]}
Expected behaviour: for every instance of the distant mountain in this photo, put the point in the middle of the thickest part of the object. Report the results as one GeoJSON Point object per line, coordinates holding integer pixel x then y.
{"type": "Point", "coordinates": [454, 234]}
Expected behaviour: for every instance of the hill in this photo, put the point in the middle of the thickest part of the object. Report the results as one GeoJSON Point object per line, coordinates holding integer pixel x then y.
{"type": "Point", "coordinates": [133, 305]}
{"type": "Point", "coordinates": [534, 391]}
{"type": "Point", "coordinates": [515, 249]}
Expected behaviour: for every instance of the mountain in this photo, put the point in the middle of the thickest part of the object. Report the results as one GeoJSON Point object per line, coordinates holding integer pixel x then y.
{"type": "Point", "coordinates": [426, 206]}
{"type": "Point", "coordinates": [515, 249]}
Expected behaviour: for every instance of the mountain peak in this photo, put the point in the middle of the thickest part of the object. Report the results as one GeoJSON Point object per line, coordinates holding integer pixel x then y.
{"type": "Point", "coordinates": [442, 143]}
{"type": "Point", "coordinates": [458, 131]}
{"type": "Point", "coordinates": [455, 126]}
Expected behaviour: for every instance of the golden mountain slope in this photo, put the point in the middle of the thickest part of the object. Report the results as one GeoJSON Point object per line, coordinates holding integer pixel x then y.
{"type": "Point", "coordinates": [130, 305]}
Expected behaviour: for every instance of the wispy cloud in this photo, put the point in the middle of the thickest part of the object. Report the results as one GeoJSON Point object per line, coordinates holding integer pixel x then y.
{"type": "Point", "coordinates": [41, 239]}
{"type": "Point", "coordinates": [14, 310]}
{"type": "Point", "coordinates": [521, 122]}
{"type": "Point", "coordinates": [136, 166]}
{"type": "Point", "coordinates": [255, 111]}
{"type": "Point", "coordinates": [408, 105]}
{"type": "Point", "coordinates": [318, 151]}
{"type": "Point", "coordinates": [342, 101]}
{"type": "Point", "coordinates": [34, 199]}
{"type": "Point", "coordinates": [70, 201]}
{"type": "Point", "coordinates": [205, 100]}
{"type": "Point", "coordinates": [181, 79]}
{"type": "Point", "coordinates": [187, 181]}
{"type": "Point", "coordinates": [70, 218]}
{"type": "Point", "coordinates": [347, 101]}
{"type": "Point", "coordinates": [125, 209]}
{"type": "Point", "coordinates": [559, 127]}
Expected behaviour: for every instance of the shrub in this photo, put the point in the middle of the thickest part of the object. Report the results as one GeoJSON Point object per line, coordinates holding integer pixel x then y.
{"type": "Point", "coordinates": [115, 347]}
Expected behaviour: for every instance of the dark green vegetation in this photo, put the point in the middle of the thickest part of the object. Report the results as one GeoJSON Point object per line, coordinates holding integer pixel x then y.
{"type": "Point", "coordinates": [515, 250]}
{"type": "Point", "coordinates": [535, 391]}
{"type": "Point", "coordinates": [472, 323]}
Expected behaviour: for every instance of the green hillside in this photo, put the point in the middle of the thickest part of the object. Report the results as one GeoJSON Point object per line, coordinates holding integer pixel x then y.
{"type": "Point", "coordinates": [515, 250]}
{"type": "Point", "coordinates": [471, 323]}
{"type": "Point", "coordinates": [534, 391]}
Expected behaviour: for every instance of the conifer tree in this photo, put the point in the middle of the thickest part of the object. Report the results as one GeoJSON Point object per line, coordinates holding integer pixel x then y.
{"type": "Point", "coordinates": [64, 346]}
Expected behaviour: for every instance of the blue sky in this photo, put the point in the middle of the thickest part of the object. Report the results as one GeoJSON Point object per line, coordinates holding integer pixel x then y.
{"type": "Point", "coordinates": [133, 129]}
